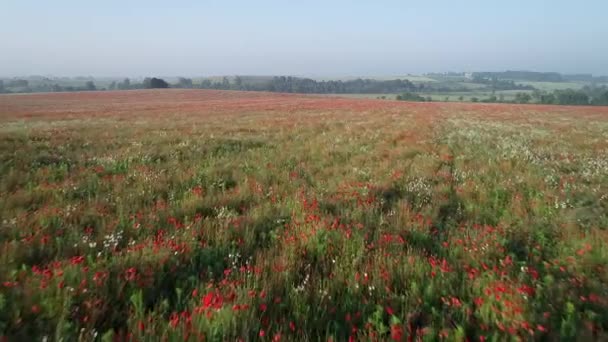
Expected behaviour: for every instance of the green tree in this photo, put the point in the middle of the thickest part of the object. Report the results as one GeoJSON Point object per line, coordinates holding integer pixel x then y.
{"type": "Point", "coordinates": [238, 82]}
{"type": "Point", "coordinates": [601, 100]}
{"type": "Point", "coordinates": [410, 97]}
{"type": "Point", "coordinates": [523, 98]}
{"type": "Point", "coordinates": [125, 84]}
{"type": "Point", "coordinates": [184, 82]}
{"type": "Point", "coordinates": [90, 86]}
{"type": "Point", "coordinates": [155, 83]}
{"type": "Point", "coordinates": [225, 83]}
{"type": "Point", "coordinates": [206, 83]}
{"type": "Point", "coordinates": [548, 99]}
{"type": "Point", "coordinates": [571, 97]}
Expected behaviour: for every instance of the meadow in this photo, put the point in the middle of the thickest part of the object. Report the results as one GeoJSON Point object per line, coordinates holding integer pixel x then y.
{"type": "Point", "coordinates": [195, 215]}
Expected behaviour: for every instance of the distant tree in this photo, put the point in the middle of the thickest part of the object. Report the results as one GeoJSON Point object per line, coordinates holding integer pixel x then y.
{"type": "Point", "coordinates": [155, 83]}
{"type": "Point", "coordinates": [89, 85]}
{"type": "Point", "coordinates": [571, 97]}
{"type": "Point", "coordinates": [474, 99]}
{"type": "Point", "coordinates": [206, 84]}
{"type": "Point", "coordinates": [125, 84]}
{"type": "Point", "coordinates": [56, 88]}
{"type": "Point", "coordinates": [1, 86]}
{"type": "Point", "coordinates": [238, 82]}
{"type": "Point", "coordinates": [491, 99]}
{"type": "Point", "coordinates": [411, 97]}
{"type": "Point", "coordinates": [184, 82]}
{"type": "Point", "coordinates": [461, 98]}
{"type": "Point", "coordinates": [536, 94]}
{"type": "Point", "coordinates": [18, 83]}
{"type": "Point", "coordinates": [601, 100]}
{"type": "Point", "coordinates": [225, 83]}
{"type": "Point", "coordinates": [548, 99]}
{"type": "Point", "coordinates": [112, 85]}
{"type": "Point", "coordinates": [523, 98]}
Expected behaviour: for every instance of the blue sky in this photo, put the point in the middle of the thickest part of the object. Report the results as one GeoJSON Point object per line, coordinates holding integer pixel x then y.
{"type": "Point", "coordinates": [320, 38]}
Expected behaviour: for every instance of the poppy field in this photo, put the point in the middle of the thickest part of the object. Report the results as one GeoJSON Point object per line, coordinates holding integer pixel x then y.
{"type": "Point", "coordinates": [189, 215]}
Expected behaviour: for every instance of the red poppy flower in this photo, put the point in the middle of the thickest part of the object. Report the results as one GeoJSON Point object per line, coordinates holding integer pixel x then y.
{"type": "Point", "coordinates": [396, 332]}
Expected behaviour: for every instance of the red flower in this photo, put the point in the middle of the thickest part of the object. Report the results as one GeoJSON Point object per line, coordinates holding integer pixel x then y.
{"type": "Point", "coordinates": [526, 290]}
{"type": "Point", "coordinates": [212, 299]}
{"type": "Point", "coordinates": [131, 273]}
{"type": "Point", "coordinates": [263, 307]}
{"type": "Point", "coordinates": [262, 333]}
{"type": "Point", "coordinates": [77, 260]}
{"type": "Point", "coordinates": [174, 320]}
{"type": "Point", "coordinates": [396, 332]}
{"type": "Point", "coordinates": [389, 310]}
{"type": "Point", "coordinates": [208, 300]}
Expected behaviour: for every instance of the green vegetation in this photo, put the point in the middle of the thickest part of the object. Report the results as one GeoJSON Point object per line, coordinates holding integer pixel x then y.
{"type": "Point", "coordinates": [411, 97]}
{"type": "Point", "coordinates": [155, 83]}
{"type": "Point", "coordinates": [227, 216]}
{"type": "Point", "coordinates": [490, 87]}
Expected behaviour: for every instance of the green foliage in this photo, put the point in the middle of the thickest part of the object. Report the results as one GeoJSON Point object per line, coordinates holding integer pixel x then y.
{"type": "Point", "coordinates": [411, 97]}
{"type": "Point", "coordinates": [153, 83]}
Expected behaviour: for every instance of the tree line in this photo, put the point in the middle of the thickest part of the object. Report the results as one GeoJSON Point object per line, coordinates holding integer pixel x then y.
{"type": "Point", "coordinates": [588, 96]}
{"type": "Point", "coordinates": [24, 86]}
{"type": "Point", "coordinates": [289, 84]}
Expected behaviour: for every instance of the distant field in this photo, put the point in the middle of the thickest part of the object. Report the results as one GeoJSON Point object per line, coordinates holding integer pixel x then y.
{"type": "Point", "coordinates": [551, 86]}
{"type": "Point", "coordinates": [202, 215]}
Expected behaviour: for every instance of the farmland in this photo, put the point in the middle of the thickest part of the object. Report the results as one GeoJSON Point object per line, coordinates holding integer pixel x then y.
{"type": "Point", "coordinates": [223, 215]}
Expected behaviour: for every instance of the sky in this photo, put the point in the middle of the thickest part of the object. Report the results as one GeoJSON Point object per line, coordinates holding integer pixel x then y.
{"type": "Point", "coordinates": [304, 38]}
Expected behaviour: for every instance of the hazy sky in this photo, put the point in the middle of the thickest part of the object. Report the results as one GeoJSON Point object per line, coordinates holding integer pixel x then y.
{"type": "Point", "coordinates": [333, 38]}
